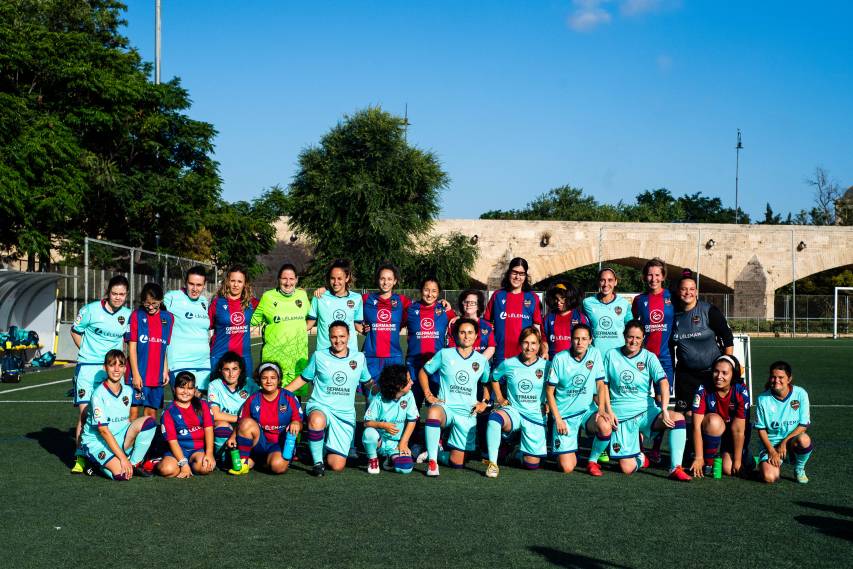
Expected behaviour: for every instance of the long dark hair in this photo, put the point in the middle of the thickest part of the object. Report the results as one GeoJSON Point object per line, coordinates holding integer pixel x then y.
{"type": "Point", "coordinates": [782, 366]}
{"type": "Point", "coordinates": [392, 379]}
{"type": "Point", "coordinates": [567, 291]}
{"type": "Point", "coordinates": [516, 262]}
{"type": "Point", "coordinates": [183, 379]}
{"type": "Point", "coordinates": [232, 358]}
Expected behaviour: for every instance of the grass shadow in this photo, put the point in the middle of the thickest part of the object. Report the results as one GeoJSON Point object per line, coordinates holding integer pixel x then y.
{"type": "Point", "coordinates": [840, 510]}
{"type": "Point", "coordinates": [834, 527]}
{"type": "Point", "coordinates": [57, 442]}
{"type": "Point", "coordinates": [559, 558]}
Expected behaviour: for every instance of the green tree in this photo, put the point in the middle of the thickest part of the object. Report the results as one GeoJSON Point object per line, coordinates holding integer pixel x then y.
{"type": "Point", "coordinates": [564, 203]}
{"type": "Point", "coordinates": [365, 194]}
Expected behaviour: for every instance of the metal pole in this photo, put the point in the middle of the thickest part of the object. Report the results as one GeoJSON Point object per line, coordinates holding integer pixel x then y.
{"type": "Point", "coordinates": [85, 270]}
{"type": "Point", "coordinates": [132, 275]}
{"type": "Point", "coordinates": [793, 286]}
{"type": "Point", "coordinates": [600, 238]}
{"type": "Point", "coordinates": [157, 44]}
{"type": "Point", "coordinates": [737, 171]}
{"type": "Point", "coordinates": [835, 314]}
{"type": "Point", "coordinates": [698, 258]}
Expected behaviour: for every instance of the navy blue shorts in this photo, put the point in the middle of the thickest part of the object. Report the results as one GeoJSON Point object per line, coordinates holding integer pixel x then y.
{"type": "Point", "coordinates": [151, 397]}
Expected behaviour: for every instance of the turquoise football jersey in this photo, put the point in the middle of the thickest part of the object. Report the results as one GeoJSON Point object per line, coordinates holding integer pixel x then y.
{"type": "Point", "coordinates": [525, 384]}
{"type": "Point", "coordinates": [607, 321]}
{"type": "Point", "coordinates": [329, 308]}
{"type": "Point", "coordinates": [575, 382]}
{"type": "Point", "coordinates": [228, 401]}
{"type": "Point", "coordinates": [398, 411]}
{"type": "Point", "coordinates": [458, 377]}
{"type": "Point", "coordinates": [780, 417]}
{"type": "Point", "coordinates": [629, 380]}
{"type": "Point", "coordinates": [336, 379]}
{"type": "Point", "coordinates": [108, 409]}
{"type": "Point", "coordinates": [102, 331]}
{"type": "Point", "coordinates": [190, 345]}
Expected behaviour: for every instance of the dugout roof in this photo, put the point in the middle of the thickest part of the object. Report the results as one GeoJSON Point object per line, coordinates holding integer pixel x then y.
{"type": "Point", "coordinates": [28, 300]}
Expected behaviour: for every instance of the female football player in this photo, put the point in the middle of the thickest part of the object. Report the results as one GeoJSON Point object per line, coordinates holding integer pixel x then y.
{"type": "Point", "coordinates": [427, 320]}
{"type": "Point", "coordinates": [189, 349]}
{"type": "Point", "coordinates": [511, 309]}
{"type": "Point", "coordinates": [339, 304]}
{"type": "Point", "coordinates": [564, 313]}
{"type": "Point", "coordinates": [471, 305]}
{"type": "Point", "coordinates": [150, 333]}
{"type": "Point", "coordinates": [226, 395]}
{"type": "Point", "coordinates": [188, 429]}
{"type": "Point", "coordinates": [781, 418]}
{"type": "Point", "coordinates": [607, 312]}
{"type": "Point", "coordinates": [390, 421]}
{"type": "Point", "coordinates": [231, 311]}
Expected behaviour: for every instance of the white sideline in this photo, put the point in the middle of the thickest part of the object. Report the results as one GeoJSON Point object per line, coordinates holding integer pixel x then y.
{"type": "Point", "coordinates": [33, 386]}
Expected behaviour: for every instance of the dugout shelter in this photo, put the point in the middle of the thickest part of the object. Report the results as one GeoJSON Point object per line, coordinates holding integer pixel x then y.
{"type": "Point", "coordinates": [28, 300]}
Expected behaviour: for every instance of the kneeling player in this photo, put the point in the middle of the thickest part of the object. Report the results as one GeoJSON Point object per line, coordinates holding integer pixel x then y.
{"type": "Point", "coordinates": [265, 417]}
{"type": "Point", "coordinates": [521, 410]}
{"type": "Point", "coordinates": [187, 426]}
{"type": "Point", "coordinates": [226, 396]}
{"type": "Point", "coordinates": [336, 373]}
{"type": "Point", "coordinates": [721, 420]}
{"type": "Point", "coordinates": [629, 371]}
{"type": "Point", "coordinates": [575, 380]}
{"type": "Point", "coordinates": [459, 370]}
{"type": "Point", "coordinates": [390, 421]}
{"type": "Point", "coordinates": [108, 421]}
{"type": "Point", "coordinates": [782, 418]}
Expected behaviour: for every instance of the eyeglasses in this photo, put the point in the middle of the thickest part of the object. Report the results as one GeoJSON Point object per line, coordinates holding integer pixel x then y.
{"type": "Point", "coordinates": [518, 273]}
{"type": "Point", "coordinates": [151, 305]}
{"type": "Point", "coordinates": [470, 303]}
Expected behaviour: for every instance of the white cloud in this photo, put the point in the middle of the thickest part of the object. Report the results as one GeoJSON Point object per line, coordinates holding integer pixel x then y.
{"type": "Point", "coordinates": [588, 14]}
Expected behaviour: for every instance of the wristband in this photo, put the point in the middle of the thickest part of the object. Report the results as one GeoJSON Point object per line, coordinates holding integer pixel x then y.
{"type": "Point", "coordinates": [183, 462]}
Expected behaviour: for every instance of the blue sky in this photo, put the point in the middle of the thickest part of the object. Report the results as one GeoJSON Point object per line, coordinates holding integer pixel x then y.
{"type": "Point", "coordinates": [517, 97]}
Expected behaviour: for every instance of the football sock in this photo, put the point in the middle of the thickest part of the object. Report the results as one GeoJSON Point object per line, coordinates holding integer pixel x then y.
{"type": "Point", "coordinates": [599, 445]}
{"type": "Point", "coordinates": [370, 440]}
{"type": "Point", "coordinates": [220, 436]}
{"type": "Point", "coordinates": [143, 441]}
{"type": "Point", "coordinates": [315, 444]}
{"type": "Point", "coordinates": [403, 464]}
{"type": "Point", "coordinates": [801, 456]}
{"type": "Point", "coordinates": [432, 433]}
{"type": "Point", "coordinates": [529, 465]}
{"type": "Point", "coordinates": [711, 446]}
{"type": "Point", "coordinates": [493, 436]}
{"type": "Point", "coordinates": [244, 445]}
{"type": "Point", "coordinates": [677, 442]}
{"type": "Point", "coordinates": [657, 441]}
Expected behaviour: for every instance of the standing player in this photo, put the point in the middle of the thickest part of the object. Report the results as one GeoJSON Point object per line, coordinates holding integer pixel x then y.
{"type": "Point", "coordinates": [149, 335]}
{"type": "Point", "coordinates": [578, 398]}
{"type": "Point", "coordinates": [335, 373]}
{"type": "Point", "coordinates": [226, 395]}
{"type": "Point", "coordinates": [522, 409]}
{"type": "Point", "coordinates": [265, 421]}
{"type": "Point", "coordinates": [187, 426]}
{"type": "Point", "coordinates": [427, 321]}
{"type": "Point", "coordinates": [459, 370]}
{"type": "Point", "coordinates": [190, 347]}
{"type": "Point", "coordinates": [282, 312]}
{"type": "Point", "coordinates": [511, 309]}
{"type": "Point", "coordinates": [337, 304]}
{"type": "Point", "coordinates": [471, 305]}
{"type": "Point", "coordinates": [384, 317]}
{"type": "Point", "coordinates": [390, 421]}
{"type": "Point", "coordinates": [109, 423]}
{"type": "Point", "coordinates": [564, 313]}
{"type": "Point", "coordinates": [721, 421]}
{"type": "Point", "coordinates": [608, 313]}
{"type": "Point", "coordinates": [230, 313]}
{"type": "Point", "coordinates": [629, 372]}
{"type": "Point", "coordinates": [100, 326]}
{"type": "Point", "coordinates": [781, 419]}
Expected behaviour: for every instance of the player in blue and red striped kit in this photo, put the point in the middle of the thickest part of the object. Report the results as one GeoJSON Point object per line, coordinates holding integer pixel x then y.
{"type": "Point", "coordinates": [230, 312]}
{"type": "Point", "coordinates": [512, 309]}
{"type": "Point", "coordinates": [564, 313]}
{"type": "Point", "coordinates": [187, 426]}
{"type": "Point", "coordinates": [655, 310]}
{"type": "Point", "coordinates": [265, 420]}
{"type": "Point", "coordinates": [427, 321]}
{"type": "Point", "coordinates": [471, 305]}
{"type": "Point", "coordinates": [384, 317]}
{"type": "Point", "coordinates": [150, 332]}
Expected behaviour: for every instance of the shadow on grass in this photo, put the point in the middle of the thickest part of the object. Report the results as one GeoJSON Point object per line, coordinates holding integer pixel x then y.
{"type": "Point", "coordinates": [834, 527]}
{"type": "Point", "coordinates": [570, 560]}
{"type": "Point", "coordinates": [57, 442]}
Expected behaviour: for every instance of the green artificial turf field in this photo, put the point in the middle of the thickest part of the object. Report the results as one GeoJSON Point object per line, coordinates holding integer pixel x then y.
{"type": "Point", "coordinates": [522, 519]}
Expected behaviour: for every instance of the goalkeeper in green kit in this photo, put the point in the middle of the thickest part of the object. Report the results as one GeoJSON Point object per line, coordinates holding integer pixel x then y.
{"type": "Point", "coordinates": [282, 313]}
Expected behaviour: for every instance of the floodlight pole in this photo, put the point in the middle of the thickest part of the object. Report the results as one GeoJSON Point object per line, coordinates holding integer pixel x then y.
{"type": "Point", "coordinates": [737, 172]}
{"type": "Point", "coordinates": [157, 43]}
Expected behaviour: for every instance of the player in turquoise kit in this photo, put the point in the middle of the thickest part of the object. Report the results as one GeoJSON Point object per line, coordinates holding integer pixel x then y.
{"type": "Point", "coordinates": [630, 372]}
{"type": "Point", "coordinates": [337, 303]}
{"type": "Point", "coordinates": [390, 421]}
{"type": "Point", "coordinates": [100, 326]}
{"type": "Point", "coordinates": [607, 312]}
{"type": "Point", "coordinates": [576, 391]}
{"type": "Point", "coordinates": [781, 419]}
{"type": "Point", "coordinates": [189, 349]}
{"type": "Point", "coordinates": [226, 395]}
{"type": "Point", "coordinates": [335, 373]}
{"type": "Point", "coordinates": [109, 438]}
{"type": "Point", "coordinates": [522, 409]}
{"type": "Point", "coordinates": [459, 369]}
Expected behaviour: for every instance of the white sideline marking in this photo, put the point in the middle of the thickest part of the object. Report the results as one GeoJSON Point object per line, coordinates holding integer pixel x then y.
{"type": "Point", "coordinates": [5, 391]}
{"type": "Point", "coordinates": [66, 401]}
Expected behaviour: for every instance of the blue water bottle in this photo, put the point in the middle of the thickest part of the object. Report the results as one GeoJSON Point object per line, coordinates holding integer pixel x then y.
{"type": "Point", "coordinates": [289, 446]}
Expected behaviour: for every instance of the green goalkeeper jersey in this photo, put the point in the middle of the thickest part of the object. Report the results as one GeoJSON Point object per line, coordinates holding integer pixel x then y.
{"type": "Point", "coordinates": [285, 337]}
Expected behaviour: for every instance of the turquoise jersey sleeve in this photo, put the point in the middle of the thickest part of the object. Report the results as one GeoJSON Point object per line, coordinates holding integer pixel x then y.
{"type": "Point", "coordinates": [411, 407]}
{"type": "Point", "coordinates": [310, 371]}
{"type": "Point", "coordinates": [487, 371]}
{"type": "Point", "coordinates": [358, 315]}
{"type": "Point", "coordinates": [314, 310]}
{"type": "Point", "coordinates": [434, 363]}
{"type": "Point", "coordinates": [373, 409]}
{"type": "Point", "coordinates": [629, 314]}
{"type": "Point", "coordinates": [655, 369]}
{"type": "Point", "coordinates": [500, 371]}
{"type": "Point", "coordinates": [805, 411]}
{"type": "Point", "coordinates": [365, 373]}
{"type": "Point", "coordinates": [760, 414]}
{"type": "Point", "coordinates": [84, 318]}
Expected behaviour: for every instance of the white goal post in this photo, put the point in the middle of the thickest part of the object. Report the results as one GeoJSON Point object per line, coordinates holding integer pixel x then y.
{"type": "Point", "coordinates": [835, 309]}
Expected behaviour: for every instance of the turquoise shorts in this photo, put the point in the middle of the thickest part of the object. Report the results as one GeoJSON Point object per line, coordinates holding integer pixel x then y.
{"type": "Point", "coordinates": [340, 428]}
{"type": "Point", "coordinates": [463, 428]}
{"type": "Point", "coordinates": [86, 378]}
{"type": "Point", "coordinates": [563, 444]}
{"type": "Point", "coordinates": [95, 448]}
{"type": "Point", "coordinates": [625, 442]}
{"type": "Point", "coordinates": [532, 427]}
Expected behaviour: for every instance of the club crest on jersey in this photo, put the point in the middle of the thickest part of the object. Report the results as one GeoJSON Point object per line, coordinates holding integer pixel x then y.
{"type": "Point", "coordinates": [539, 374]}
{"type": "Point", "coordinates": [667, 301]}
{"type": "Point", "coordinates": [527, 303]}
{"type": "Point", "coordinates": [350, 304]}
{"type": "Point", "coordinates": [243, 394]}
{"type": "Point", "coordinates": [641, 366]}
{"type": "Point", "coordinates": [298, 303]}
{"type": "Point", "coordinates": [484, 331]}
{"type": "Point", "coordinates": [163, 321]}
{"type": "Point", "coordinates": [282, 408]}
{"type": "Point", "coordinates": [616, 447]}
{"type": "Point", "coordinates": [211, 397]}
{"type": "Point", "coordinates": [795, 404]}
{"type": "Point", "coordinates": [403, 404]}
{"type": "Point", "coordinates": [589, 364]}
{"type": "Point", "coordinates": [557, 443]}
{"type": "Point", "coordinates": [137, 395]}
{"type": "Point", "coordinates": [102, 455]}
{"type": "Point", "coordinates": [475, 366]}
{"type": "Point", "coordinates": [125, 400]}
{"type": "Point", "coordinates": [121, 320]}
{"type": "Point", "coordinates": [352, 364]}
{"type": "Point", "coordinates": [618, 311]}
{"type": "Point", "coordinates": [696, 319]}
{"type": "Point", "coordinates": [394, 303]}
{"type": "Point", "coordinates": [81, 393]}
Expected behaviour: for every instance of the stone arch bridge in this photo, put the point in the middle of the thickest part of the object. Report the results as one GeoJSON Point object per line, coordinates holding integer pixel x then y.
{"type": "Point", "coordinates": [752, 261]}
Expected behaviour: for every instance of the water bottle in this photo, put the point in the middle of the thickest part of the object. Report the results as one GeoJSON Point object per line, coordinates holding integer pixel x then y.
{"type": "Point", "coordinates": [236, 463]}
{"type": "Point", "coordinates": [718, 468]}
{"type": "Point", "coordinates": [289, 446]}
